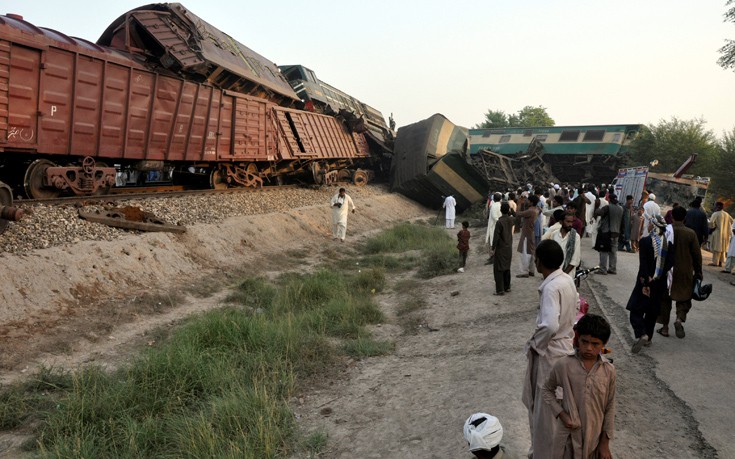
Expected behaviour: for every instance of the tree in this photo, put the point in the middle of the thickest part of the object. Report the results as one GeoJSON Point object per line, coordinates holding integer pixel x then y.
{"type": "Point", "coordinates": [727, 60]}
{"type": "Point", "coordinates": [670, 143]}
{"type": "Point", "coordinates": [528, 116]}
{"type": "Point", "coordinates": [494, 119]}
{"type": "Point", "coordinates": [721, 166]}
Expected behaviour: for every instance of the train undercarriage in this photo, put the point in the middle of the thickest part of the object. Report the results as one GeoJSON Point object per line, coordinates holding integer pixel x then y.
{"type": "Point", "coordinates": [48, 178]}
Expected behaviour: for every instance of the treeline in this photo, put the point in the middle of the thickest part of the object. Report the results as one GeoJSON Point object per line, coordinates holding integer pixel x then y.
{"type": "Point", "coordinates": [669, 143]}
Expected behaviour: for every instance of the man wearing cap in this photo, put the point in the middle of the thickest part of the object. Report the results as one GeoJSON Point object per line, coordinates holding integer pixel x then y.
{"type": "Point", "coordinates": [483, 433]}
{"type": "Point", "coordinates": [687, 266]}
{"type": "Point", "coordinates": [341, 205]}
{"type": "Point", "coordinates": [650, 210]}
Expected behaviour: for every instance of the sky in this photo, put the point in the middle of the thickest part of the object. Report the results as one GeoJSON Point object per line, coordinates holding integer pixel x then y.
{"type": "Point", "coordinates": [586, 62]}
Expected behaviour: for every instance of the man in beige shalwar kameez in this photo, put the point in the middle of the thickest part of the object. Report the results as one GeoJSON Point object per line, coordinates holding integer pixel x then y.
{"type": "Point", "coordinates": [552, 340]}
{"type": "Point", "coordinates": [719, 240]}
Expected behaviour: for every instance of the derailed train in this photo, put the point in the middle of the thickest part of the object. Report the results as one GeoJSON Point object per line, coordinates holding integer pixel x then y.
{"type": "Point", "coordinates": [161, 91]}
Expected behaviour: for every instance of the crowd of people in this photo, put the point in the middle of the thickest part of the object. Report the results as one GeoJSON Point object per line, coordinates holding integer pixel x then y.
{"type": "Point", "coordinates": [551, 222]}
{"type": "Point", "coordinates": [569, 386]}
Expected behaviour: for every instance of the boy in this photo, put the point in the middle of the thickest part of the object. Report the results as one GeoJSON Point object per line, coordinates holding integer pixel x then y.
{"type": "Point", "coordinates": [463, 245]}
{"type": "Point", "coordinates": [586, 413]}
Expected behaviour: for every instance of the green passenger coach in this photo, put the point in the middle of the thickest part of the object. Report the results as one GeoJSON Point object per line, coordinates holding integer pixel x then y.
{"type": "Point", "coordinates": [575, 153]}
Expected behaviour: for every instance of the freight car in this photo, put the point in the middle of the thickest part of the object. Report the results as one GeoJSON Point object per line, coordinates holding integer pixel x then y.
{"type": "Point", "coordinates": [74, 113]}
{"type": "Point", "coordinates": [575, 153]}
{"type": "Point", "coordinates": [322, 97]}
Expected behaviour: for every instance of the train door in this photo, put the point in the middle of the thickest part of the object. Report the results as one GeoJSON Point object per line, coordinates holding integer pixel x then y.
{"type": "Point", "coordinates": [23, 80]}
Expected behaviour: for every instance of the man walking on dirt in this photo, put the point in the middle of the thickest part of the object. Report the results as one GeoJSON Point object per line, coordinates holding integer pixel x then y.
{"type": "Point", "coordinates": [552, 340]}
{"type": "Point", "coordinates": [341, 206]}
{"type": "Point", "coordinates": [687, 266]}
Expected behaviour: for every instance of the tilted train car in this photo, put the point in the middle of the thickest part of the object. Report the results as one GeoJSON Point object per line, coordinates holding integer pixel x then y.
{"type": "Point", "coordinates": [430, 162]}
{"type": "Point", "coordinates": [71, 109]}
{"type": "Point", "coordinates": [575, 153]}
{"type": "Point", "coordinates": [324, 98]}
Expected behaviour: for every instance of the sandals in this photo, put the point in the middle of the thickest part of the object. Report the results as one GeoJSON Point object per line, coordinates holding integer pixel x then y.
{"type": "Point", "coordinates": [679, 330]}
{"type": "Point", "coordinates": [662, 332]}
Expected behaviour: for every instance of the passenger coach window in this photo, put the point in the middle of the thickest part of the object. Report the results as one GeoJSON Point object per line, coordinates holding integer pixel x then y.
{"type": "Point", "coordinates": [616, 138]}
{"type": "Point", "coordinates": [541, 137]}
{"type": "Point", "coordinates": [505, 139]}
{"type": "Point", "coordinates": [594, 135]}
{"type": "Point", "coordinates": [527, 133]}
{"type": "Point", "coordinates": [569, 136]}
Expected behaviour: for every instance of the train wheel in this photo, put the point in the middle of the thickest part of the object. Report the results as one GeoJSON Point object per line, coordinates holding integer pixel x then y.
{"type": "Point", "coordinates": [6, 199]}
{"type": "Point", "coordinates": [360, 178]}
{"type": "Point", "coordinates": [344, 175]}
{"type": "Point", "coordinates": [33, 181]}
{"type": "Point", "coordinates": [317, 173]}
{"type": "Point", "coordinates": [103, 189]}
{"type": "Point", "coordinates": [252, 168]}
{"type": "Point", "coordinates": [217, 180]}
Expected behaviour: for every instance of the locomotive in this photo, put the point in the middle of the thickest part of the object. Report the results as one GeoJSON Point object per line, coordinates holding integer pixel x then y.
{"type": "Point", "coordinates": [160, 91]}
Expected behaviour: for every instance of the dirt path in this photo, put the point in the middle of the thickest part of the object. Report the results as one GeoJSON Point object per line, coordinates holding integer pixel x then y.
{"type": "Point", "coordinates": [413, 404]}
{"type": "Point", "coordinates": [464, 353]}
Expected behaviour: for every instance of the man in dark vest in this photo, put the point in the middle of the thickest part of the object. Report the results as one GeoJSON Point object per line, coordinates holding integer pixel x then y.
{"type": "Point", "coordinates": [610, 224]}
{"type": "Point", "coordinates": [696, 220]}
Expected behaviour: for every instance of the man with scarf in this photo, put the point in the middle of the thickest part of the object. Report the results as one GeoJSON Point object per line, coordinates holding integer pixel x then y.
{"type": "Point", "coordinates": [650, 286]}
{"type": "Point", "coordinates": [569, 241]}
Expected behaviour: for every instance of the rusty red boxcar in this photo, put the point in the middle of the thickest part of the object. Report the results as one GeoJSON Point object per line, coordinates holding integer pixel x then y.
{"type": "Point", "coordinates": [74, 114]}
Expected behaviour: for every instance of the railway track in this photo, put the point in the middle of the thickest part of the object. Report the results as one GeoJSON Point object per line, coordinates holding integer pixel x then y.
{"type": "Point", "coordinates": [121, 194]}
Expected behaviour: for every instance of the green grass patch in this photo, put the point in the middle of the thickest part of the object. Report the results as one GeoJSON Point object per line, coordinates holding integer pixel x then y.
{"type": "Point", "coordinates": [404, 237]}
{"type": "Point", "coordinates": [218, 385]}
{"type": "Point", "coordinates": [366, 347]}
{"type": "Point", "coordinates": [437, 250]}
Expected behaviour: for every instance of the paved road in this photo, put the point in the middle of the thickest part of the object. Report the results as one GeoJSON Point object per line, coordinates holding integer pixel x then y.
{"type": "Point", "coordinates": [700, 368]}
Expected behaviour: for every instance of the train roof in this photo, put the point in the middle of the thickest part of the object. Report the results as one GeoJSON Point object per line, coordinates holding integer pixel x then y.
{"type": "Point", "coordinates": [24, 31]}
{"type": "Point", "coordinates": [552, 129]}
{"type": "Point", "coordinates": [183, 41]}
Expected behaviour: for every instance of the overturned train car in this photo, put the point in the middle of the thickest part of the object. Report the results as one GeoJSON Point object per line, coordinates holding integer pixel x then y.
{"type": "Point", "coordinates": [73, 114]}
{"type": "Point", "coordinates": [430, 162]}
{"type": "Point", "coordinates": [575, 153]}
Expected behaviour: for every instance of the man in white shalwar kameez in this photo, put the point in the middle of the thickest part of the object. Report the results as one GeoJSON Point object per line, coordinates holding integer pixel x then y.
{"type": "Point", "coordinates": [449, 213]}
{"type": "Point", "coordinates": [493, 216]}
{"type": "Point", "coordinates": [719, 238]}
{"type": "Point", "coordinates": [589, 213]}
{"type": "Point", "coordinates": [552, 340]}
{"type": "Point", "coordinates": [341, 205]}
{"type": "Point", "coordinates": [650, 210]}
